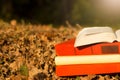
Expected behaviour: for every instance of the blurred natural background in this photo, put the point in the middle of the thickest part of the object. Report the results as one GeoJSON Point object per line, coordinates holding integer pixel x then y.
{"type": "Point", "coordinates": [57, 12]}
{"type": "Point", "coordinates": [30, 29]}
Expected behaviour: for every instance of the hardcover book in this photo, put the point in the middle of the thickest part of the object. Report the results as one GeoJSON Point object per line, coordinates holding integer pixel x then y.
{"type": "Point", "coordinates": [95, 50]}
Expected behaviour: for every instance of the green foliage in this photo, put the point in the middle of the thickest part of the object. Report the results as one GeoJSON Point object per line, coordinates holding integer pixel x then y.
{"type": "Point", "coordinates": [24, 70]}
{"type": "Point", "coordinates": [41, 11]}
{"type": "Point", "coordinates": [55, 12]}
{"type": "Point", "coordinates": [83, 12]}
{"type": "Point", "coordinates": [77, 78]}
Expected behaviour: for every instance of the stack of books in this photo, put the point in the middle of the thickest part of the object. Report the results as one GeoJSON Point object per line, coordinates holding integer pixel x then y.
{"type": "Point", "coordinates": [96, 50]}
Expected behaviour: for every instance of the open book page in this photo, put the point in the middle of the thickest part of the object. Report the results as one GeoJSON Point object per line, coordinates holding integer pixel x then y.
{"type": "Point", "coordinates": [94, 30]}
{"type": "Point", "coordinates": [118, 35]}
{"type": "Point", "coordinates": [94, 35]}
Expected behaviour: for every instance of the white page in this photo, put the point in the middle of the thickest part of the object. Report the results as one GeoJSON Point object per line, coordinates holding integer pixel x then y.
{"type": "Point", "coordinates": [96, 38]}
{"type": "Point", "coordinates": [93, 30]}
{"type": "Point", "coordinates": [118, 35]}
{"type": "Point", "coordinates": [94, 35]}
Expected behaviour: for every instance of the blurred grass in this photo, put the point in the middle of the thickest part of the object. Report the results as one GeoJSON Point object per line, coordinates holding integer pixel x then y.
{"type": "Point", "coordinates": [77, 78]}
{"type": "Point", "coordinates": [24, 70]}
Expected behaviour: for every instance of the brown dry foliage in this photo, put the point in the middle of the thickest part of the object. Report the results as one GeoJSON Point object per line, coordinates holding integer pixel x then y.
{"type": "Point", "coordinates": [27, 52]}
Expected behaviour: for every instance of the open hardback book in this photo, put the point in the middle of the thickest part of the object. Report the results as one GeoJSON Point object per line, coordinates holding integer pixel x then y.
{"type": "Point", "coordinates": [96, 35]}
{"type": "Point", "coordinates": [73, 58]}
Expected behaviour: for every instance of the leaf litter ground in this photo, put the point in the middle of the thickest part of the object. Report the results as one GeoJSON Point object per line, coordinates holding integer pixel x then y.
{"type": "Point", "coordinates": [27, 52]}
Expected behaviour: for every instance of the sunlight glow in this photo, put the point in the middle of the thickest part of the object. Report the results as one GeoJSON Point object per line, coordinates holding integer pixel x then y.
{"type": "Point", "coordinates": [109, 6]}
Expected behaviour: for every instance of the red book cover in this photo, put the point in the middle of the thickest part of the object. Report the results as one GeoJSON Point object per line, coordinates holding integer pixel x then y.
{"type": "Point", "coordinates": [67, 49]}
{"type": "Point", "coordinates": [85, 69]}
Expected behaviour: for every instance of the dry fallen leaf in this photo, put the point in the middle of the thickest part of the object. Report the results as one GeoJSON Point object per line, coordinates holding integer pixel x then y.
{"type": "Point", "coordinates": [13, 66]}
{"type": "Point", "coordinates": [13, 22]}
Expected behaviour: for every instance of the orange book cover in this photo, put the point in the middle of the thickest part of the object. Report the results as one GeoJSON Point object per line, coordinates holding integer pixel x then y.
{"type": "Point", "coordinates": [94, 51]}
{"type": "Point", "coordinates": [67, 49]}
{"type": "Point", "coordinates": [85, 69]}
